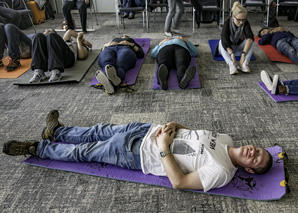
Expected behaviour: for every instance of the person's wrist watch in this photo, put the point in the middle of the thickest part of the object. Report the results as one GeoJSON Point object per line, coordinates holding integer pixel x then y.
{"type": "Point", "coordinates": [164, 153]}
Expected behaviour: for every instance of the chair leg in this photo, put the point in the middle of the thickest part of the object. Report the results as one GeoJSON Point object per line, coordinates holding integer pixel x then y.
{"type": "Point", "coordinates": [32, 22]}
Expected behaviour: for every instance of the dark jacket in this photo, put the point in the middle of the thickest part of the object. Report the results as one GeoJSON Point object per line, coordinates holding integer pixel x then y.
{"type": "Point", "coordinates": [225, 34]}
{"type": "Point", "coordinates": [139, 53]}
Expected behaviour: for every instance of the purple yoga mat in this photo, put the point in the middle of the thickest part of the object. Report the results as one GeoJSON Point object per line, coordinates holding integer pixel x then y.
{"type": "Point", "coordinates": [279, 97]}
{"type": "Point", "coordinates": [244, 185]}
{"type": "Point", "coordinates": [132, 74]}
{"type": "Point", "coordinates": [173, 81]}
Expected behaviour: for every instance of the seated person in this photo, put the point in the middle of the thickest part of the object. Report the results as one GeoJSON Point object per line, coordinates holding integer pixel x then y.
{"type": "Point", "coordinates": [282, 39]}
{"type": "Point", "coordinates": [18, 45]}
{"type": "Point", "coordinates": [278, 87]}
{"type": "Point", "coordinates": [8, 15]}
{"type": "Point", "coordinates": [52, 53]}
{"type": "Point", "coordinates": [81, 5]}
{"type": "Point", "coordinates": [237, 39]}
{"type": "Point", "coordinates": [174, 53]}
{"type": "Point", "coordinates": [116, 58]}
{"type": "Point", "coordinates": [202, 160]}
{"type": "Point", "coordinates": [132, 3]}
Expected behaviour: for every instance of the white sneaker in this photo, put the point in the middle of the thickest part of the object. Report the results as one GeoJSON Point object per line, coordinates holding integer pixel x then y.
{"type": "Point", "coordinates": [112, 74]}
{"type": "Point", "coordinates": [37, 76]}
{"type": "Point", "coordinates": [245, 67]}
{"type": "Point", "coordinates": [55, 76]}
{"type": "Point", "coordinates": [233, 69]}
{"type": "Point", "coordinates": [267, 80]}
{"type": "Point", "coordinates": [104, 81]}
{"type": "Point", "coordinates": [168, 34]}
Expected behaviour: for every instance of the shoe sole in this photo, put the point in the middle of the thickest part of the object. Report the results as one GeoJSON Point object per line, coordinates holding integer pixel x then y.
{"type": "Point", "coordinates": [59, 78]}
{"type": "Point", "coordinates": [188, 76]}
{"type": "Point", "coordinates": [162, 76]}
{"type": "Point", "coordinates": [274, 84]}
{"type": "Point", "coordinates": [51, 123]}
{"type": "Point", "coordinates": [112, 75]}
{"type": "Point", "coordinates": [104, 81]}
{"type": "Point", "coordinates": [266, 80]}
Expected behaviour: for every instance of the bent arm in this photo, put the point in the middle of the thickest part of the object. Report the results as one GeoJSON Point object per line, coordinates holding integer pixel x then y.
{"type": "Point", "coordinates": [178, 179]}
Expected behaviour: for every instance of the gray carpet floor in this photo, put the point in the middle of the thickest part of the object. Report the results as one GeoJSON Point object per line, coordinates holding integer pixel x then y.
{"type": "Point", "coordinates": [228, 104]}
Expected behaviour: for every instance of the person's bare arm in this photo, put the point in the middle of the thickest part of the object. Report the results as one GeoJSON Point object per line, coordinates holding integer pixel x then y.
{"type": "Point", "coordinates": [178, 179]}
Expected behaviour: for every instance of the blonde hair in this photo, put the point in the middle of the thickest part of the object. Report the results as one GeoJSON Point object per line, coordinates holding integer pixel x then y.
{"type": "Point", "coordinates": [238, 8]}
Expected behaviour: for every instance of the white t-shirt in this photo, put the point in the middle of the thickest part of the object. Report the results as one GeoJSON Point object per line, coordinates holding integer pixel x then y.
{"type": "Point", "coordinates": [193, 150]}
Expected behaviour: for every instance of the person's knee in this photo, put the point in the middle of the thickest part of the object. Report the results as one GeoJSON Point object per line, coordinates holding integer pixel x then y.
{"type": "Point", "coordinates": [9, 27]}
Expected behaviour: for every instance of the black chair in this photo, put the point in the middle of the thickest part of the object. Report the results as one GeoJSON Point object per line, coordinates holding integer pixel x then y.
{"type": "Point", "coordinates": [258, 3]}
{"type": "Point", "coordinates": [154, 4]}
{"type": "Point", "coordinates": [119, 8]}
{"type": "Point", "coordinates": [24, 11]}
{"type": "Point", "coordinates": [287, 3]}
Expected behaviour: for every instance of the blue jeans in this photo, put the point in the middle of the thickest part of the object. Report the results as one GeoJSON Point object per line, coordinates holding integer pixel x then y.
{"type": "Point", "coordinates": [288, 47]}
{"type": "Point", "coordinates": [133, 3]}
{"type": "Point", "coordinates": [292, 87]}
{"type": "Point", "coordinates": [176, 9]}
{"type": "Point", "coordinates": [107, 143]}
{"type": "Point", "coordinates": [12, 36]}
{"type": "Point", "coordinates": [122, 58]}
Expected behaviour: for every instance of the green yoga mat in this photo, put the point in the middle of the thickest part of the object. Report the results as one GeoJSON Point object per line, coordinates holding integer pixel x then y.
{"type": "Point", "coordinates": [73, 74]}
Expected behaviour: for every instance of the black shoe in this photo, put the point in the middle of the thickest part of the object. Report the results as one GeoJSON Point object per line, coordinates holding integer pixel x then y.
{"type": "Point", "coordinates": [52, 123]}
{"type": "Point", "coordinates": [20, 148]}
{"type": "Point", "coordinates": [125, 16]}
{"type": "Point", "coordinates": [188, 76]}
{"type": "Point", "coordinates": [162, 76]}
{"type": "Point", "coordinates": [13, 64]}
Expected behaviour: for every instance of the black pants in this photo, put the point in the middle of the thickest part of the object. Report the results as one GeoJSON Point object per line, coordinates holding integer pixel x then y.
{"type": "Point", "coordinates": [174, 56]}
{"type": "Point", "coordinates": [81, 6]}
{"type": "Point", "coordinates": [51, 52]}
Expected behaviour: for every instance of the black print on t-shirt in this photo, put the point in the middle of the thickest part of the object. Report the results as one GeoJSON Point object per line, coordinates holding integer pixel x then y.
{"type": "Point", "coordinates": [181, 148]}
{"type": "Point", "coordinates": [212, 144]}
{"type": "Point", "coordinates": [187, 135]}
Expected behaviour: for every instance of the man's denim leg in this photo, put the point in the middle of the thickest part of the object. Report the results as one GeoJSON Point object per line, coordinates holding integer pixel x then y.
{"type": "Point", "coordinates": [60, 55]}
{"type": "Point", "coordinates": [107, 56]}
{"type": "Point", "coordinates": [126, 59]}
{"type": "Point", "coordinates": [14, 38]}
{"type": "Point", "coordinates": [170, 15]}
{"type": "Point", "coordinates": [10, 15]}
{"type": "Point", "coordinates": [114, 144]}
{"type": "Point", "coordinates": [39, 52]}
{"type": "Point", "coordinates": [82, 7]}
{"type": "Point", "coordinates": [284, 47]}
{"type": "Point", "coordinates": [3, 40]}
{"type": "Point", "coordinates": [292, 86]}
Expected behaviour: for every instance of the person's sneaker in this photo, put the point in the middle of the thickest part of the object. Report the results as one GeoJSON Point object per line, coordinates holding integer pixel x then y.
{"type": "Point", "coordinates": [38, 76]}
{"type": "Point", "coordinates": [55, 76]}
{"type": "Point", "coordinates": [125, 15]}
{"type": "Point", "coordinates": [102, 78]}
{"type": "Point", "coordinates": [168, 34]}
{"type": "Point", "coordinates": [267, 80]}
{"type": "Point", "coordinates": [1, 63]}
{"type": "Point", "coordinates": [20, 148]}
{"type": "Point", "coordinates": [162, 76]}
{"type": "Point", "coordinates": [52, 123]}
{"type": "Point", "coordinates": [233, 69]}
{"type": "Point", "coordinates": [188, 76]}
{"type": "Point", "coordinates": [245, 67]}
{"type": "Point", "coordinates": [112, 74]}
{"type": "Point", "coordinates": [12, 65]}
{"type": "Point", "coordinates": [275, 84]}
{"type": "Point", "coordinates": [131, 16]}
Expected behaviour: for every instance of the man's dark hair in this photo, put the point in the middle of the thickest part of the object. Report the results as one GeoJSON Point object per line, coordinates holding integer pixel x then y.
{"type": "Point", "coordinates": [264, 28]}
{"type": "Point", "coordinates": [265, 169]}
